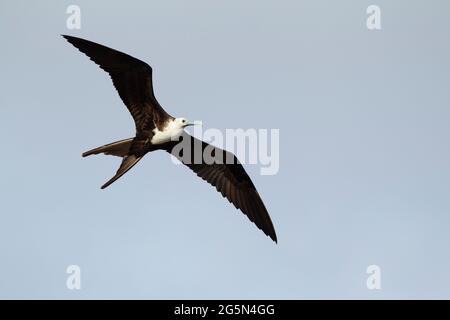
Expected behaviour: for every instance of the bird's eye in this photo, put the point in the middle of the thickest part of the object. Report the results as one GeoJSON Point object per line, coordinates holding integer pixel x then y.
{"type": "Point", "coordinates": [183, 121]}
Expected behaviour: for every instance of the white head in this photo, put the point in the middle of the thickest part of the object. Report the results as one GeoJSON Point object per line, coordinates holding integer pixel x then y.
{"type": "Point", "coordinates": [171, 131]}
{"type": "Point", "coordinates": [183, 123]}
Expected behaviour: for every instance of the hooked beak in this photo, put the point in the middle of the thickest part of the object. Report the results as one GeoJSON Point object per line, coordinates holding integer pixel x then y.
{"type": "Point", "coordinates": [195, 123]}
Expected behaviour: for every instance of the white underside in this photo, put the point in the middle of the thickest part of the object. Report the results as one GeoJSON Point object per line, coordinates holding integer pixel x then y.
{"type": "Point", "coordinates": [171, 132]}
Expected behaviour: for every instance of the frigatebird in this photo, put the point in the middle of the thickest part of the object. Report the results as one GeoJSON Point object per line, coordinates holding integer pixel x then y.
{"type": "Point", "coordinates": [157, 130]}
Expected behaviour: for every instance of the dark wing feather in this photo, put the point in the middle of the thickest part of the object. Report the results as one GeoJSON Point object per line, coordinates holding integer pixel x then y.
{"type": "Point", "coordinates": [132, 79]}
{"type": "Point", "coordinates": [224, 171]}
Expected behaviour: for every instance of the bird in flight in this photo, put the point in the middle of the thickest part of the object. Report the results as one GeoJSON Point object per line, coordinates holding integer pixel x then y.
{"type": "Point", "coordinates": [157, 130]}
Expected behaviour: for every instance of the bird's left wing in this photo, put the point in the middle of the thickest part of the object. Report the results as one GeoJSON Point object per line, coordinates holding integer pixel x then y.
{"type": "Point", "coordinates": [222, 170]}
{"type": "Point", "coordinates": [132, 79]}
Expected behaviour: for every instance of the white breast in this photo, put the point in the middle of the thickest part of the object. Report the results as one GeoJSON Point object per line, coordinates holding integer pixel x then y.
{"type": "Point", "coordinates": [170, 132]}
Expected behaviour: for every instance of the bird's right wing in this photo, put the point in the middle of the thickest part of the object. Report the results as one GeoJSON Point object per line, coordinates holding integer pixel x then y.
{"type": "Point", "coordinates": [132, 79]}
{"type": "Point", "coordinates": [222, 170]}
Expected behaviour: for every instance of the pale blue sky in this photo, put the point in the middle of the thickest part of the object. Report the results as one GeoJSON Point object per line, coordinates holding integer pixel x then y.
{"type": "Point", "coordinates": [365, 155]}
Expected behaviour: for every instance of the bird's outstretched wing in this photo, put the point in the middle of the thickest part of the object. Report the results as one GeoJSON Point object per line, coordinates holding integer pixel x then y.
{"type": "Point", "coordinates": [222, 170]}
{"type": "Point", "coordinates": [132, 79]}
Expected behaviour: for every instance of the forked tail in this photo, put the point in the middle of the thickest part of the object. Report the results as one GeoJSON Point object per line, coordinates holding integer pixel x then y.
{"type": "Point", "coordinates": [118, 148]}
{"type": "Point", "coordinates": [128, 162]}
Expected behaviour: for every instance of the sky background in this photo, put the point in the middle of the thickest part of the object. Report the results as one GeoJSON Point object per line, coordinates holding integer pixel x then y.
{"type": "Point", "coordinates": [364, 151]}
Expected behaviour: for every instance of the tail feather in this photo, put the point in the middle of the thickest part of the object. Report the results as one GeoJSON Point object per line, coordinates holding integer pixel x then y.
{"type": "Point", "coordinates": [128, 162]}
{"type": "Point", "coordinates": [118, 148]}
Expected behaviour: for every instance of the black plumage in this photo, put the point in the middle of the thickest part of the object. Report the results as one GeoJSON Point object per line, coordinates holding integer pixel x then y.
{"type": "Point", "coordinates": [132, 79]}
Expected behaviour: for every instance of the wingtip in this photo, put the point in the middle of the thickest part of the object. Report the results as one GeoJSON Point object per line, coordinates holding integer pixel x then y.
{"type": "Point", "coordinates": [70, 39]}
{"type": "Point", "coordinates": [106, 185]}
{"type": "Point", "coordinates": [273, 236]}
